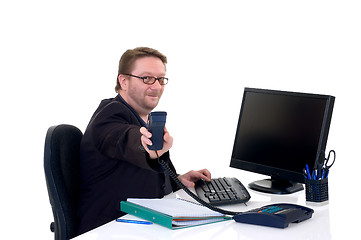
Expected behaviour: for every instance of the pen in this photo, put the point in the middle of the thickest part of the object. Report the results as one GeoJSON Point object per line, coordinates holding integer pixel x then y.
{"type": "Point", "coordinates": [133, 221]}
{"type": "Point", "coordinates": [314, 174]}
{"type": "Point", "coordinates": [308, 171]}
{"type": "Point", "coordinates": [325, 173]}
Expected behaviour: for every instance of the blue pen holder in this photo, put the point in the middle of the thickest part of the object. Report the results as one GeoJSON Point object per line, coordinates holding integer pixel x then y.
{"type": "Point", "coordinates": [317, 190]}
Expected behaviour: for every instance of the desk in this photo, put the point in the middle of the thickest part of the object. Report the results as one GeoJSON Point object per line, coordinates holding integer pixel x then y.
{"type": "Point", "coordinates": [318, 227]}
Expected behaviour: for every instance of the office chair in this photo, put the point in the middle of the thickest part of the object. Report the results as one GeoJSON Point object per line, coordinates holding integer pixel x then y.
{"type": "Point", "coordinates": [61, 165]}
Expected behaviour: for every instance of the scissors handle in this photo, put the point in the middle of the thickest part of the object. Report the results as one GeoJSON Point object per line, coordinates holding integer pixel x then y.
{"type": "Point", "coordinates": [328, 159]}
{"type": "Point", "coordinates": [326, 167]}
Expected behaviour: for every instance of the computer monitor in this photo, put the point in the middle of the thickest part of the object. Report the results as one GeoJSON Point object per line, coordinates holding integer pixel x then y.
{"type": "Point", "coordinates": [278, 133]}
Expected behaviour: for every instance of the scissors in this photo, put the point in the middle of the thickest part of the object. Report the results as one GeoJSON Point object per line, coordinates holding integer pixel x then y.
{"type": "Point", "coordinates": [326, 166]}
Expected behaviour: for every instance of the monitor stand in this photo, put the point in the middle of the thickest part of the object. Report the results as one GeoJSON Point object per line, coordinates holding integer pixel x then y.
{"type": "Point", "coordinates": [276, 186]}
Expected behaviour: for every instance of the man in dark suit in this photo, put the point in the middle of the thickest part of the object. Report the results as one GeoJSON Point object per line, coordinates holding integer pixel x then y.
{"type": "Point", "coordinates": [115, 162]}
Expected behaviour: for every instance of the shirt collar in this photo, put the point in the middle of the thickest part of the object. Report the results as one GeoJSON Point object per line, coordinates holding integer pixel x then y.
{"type": "Point", "coordinates": [142, 122]}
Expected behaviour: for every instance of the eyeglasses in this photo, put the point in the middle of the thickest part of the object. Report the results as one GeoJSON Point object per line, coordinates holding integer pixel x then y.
{"type": "Point", "coordinates": [151, 80]}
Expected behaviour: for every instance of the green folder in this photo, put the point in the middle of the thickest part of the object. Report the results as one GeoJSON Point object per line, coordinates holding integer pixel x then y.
{"type": "Point", "coordinates": [171, 213]}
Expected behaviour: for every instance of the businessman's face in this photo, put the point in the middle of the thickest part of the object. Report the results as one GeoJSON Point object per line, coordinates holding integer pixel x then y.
{"type": "Point", "coordinates": [140, 96]}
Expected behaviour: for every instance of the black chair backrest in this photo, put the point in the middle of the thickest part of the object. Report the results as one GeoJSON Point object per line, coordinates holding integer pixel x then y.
{"type": "Point", "coordinates": [61, 165]}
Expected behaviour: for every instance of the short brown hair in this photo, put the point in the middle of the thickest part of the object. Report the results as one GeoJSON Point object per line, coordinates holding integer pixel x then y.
{"type": "Point", "coordinates": [128, 58]}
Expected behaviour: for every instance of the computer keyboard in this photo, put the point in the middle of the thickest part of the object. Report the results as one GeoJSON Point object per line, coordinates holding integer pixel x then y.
{"type": "Point", "coordinates": [222, 191]}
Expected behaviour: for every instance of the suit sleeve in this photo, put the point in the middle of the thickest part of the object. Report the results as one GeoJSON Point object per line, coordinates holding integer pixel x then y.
{"type": "Point", "coordinates": [117, 136]}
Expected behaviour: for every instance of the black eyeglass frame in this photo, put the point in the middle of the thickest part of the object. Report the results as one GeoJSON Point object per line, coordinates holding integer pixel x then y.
{"type": "Point", "coordinates": [147, 79]}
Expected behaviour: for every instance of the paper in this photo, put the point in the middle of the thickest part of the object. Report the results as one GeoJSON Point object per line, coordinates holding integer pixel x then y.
{"type": "Point", "coordinates": [177, 208]}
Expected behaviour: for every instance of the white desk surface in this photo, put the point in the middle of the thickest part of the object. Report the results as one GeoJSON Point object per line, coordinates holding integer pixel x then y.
{"type": "Point", "coordinates": [327, 222]}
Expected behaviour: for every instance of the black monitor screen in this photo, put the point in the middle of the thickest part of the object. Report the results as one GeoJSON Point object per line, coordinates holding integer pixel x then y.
{"type": "Point", "coordinates": [280, 132]}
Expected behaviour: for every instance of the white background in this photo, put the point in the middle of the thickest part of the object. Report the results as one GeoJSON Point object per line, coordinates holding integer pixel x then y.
{"type": "Point", "coordinates": [58, 59]}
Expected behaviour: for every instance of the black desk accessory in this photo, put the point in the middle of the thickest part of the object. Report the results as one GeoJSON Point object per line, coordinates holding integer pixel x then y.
{"type": "Point", "coordinates": [275, 215]}
{"type": "Point", "coordinates": [317, 190]}
{"type": "Point", "coordinates": [222, 191]}
{"type": "Point", "coordinates": [317, 181]}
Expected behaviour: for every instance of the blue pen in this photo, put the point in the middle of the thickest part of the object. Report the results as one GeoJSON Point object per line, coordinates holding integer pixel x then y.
{"type": "Point", "coordinates": [313, 174]}
{"type": "Point", "coordinates": [323, 174]}
{"type": "Point", "coordinates": [133, 221]}
{"type": "Point", "coordinates": [308, 172]}
{"type": "Point", "coordinates": [326, 173]}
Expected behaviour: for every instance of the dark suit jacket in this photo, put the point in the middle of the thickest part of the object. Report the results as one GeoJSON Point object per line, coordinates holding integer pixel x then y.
{"type": "Point", "coordinates": [114, 166]}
